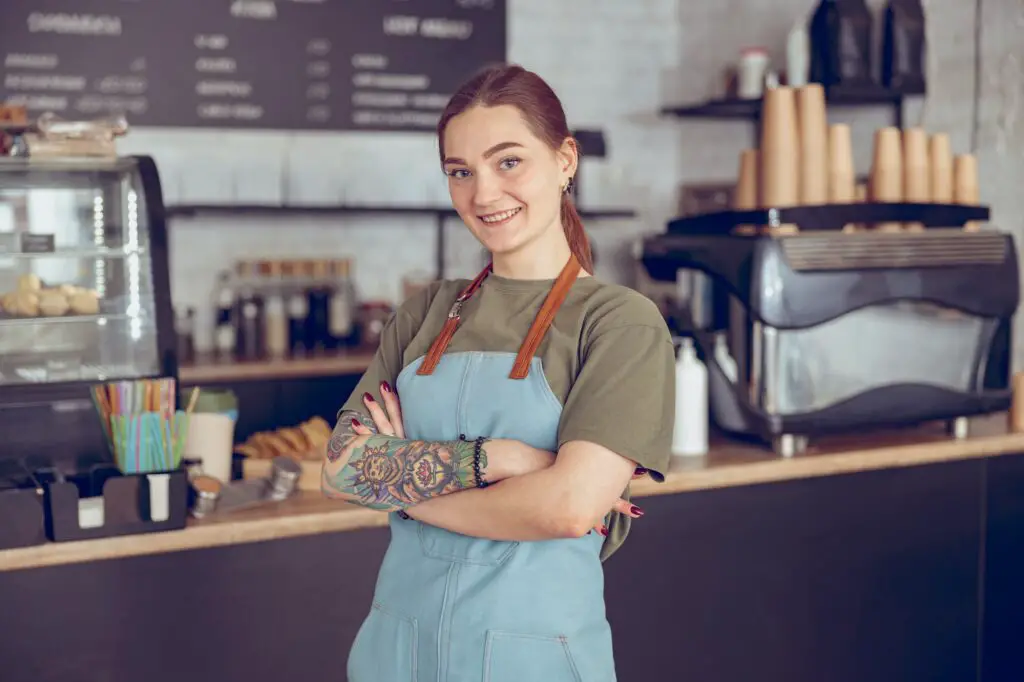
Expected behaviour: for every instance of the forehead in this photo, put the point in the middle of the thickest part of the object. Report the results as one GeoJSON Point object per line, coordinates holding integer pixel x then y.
{"type": "Point", "coordinates": [479, 128]}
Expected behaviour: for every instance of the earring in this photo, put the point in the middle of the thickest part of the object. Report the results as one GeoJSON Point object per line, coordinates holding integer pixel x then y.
{"type": "Point", "coordinates": [567, 187]}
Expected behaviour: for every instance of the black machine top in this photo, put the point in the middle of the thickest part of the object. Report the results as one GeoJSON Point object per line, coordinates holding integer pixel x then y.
{"type": "Point", "coordinates": [820, 273]}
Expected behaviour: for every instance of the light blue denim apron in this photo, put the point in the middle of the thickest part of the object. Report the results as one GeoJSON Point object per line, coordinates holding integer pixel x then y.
{"type": "Point", "coordinates": [452, 608]}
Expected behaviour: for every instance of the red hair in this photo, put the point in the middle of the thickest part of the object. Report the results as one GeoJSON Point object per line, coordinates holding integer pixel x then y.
{"type": "Point", "coordinates": [513, 85]}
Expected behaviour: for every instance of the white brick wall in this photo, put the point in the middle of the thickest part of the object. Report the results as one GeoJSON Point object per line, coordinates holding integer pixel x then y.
{"type": "Point", "coordinates": [614, 63]}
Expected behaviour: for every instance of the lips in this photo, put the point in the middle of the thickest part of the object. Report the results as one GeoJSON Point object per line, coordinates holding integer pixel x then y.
{"type": "Point", "coordinates": [500, 217]}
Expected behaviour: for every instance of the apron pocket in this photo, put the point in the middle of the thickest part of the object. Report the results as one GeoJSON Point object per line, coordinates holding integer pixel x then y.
{"type": "Point", "coordinates": [384, 649]}
{"type": "Point", "coordinates": [511, 657]}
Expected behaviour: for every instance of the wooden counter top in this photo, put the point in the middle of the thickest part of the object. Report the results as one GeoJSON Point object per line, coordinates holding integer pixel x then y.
{"type": "Point", "coordinates": [727, 465]}
{"type": "Point", "coordinates": [207, 370]}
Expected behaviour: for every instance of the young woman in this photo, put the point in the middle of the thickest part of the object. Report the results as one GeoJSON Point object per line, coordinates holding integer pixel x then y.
{"type": "Point", "coordinates": [536, 377]}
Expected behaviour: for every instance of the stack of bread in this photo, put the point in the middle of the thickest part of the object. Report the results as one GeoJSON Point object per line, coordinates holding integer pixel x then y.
{"type": "Point", "coordinates": [307, 441]}
{"type": "Point", "coordinates": [32, 298]}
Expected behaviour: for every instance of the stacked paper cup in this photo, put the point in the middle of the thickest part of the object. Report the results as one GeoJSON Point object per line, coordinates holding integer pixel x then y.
{"type": "Point", "coordinates": [780, 152]}
{"type": "Point", "coordinates": [812, 122]}
{"type": "Point", "coordinates": [916, 178]}
{"type": "Point", "coordinates": [842, 182]}
{"type": "Point", "coordinates": [886, 185]}
{"type": "Point", "coordinates": [965, 184]}
{"type": "Point", "coordinates": [940, 157]}
{"type": "Point", "coordinates": [802, 160]}
{"type": "Point", "coordinates": [745, 196]}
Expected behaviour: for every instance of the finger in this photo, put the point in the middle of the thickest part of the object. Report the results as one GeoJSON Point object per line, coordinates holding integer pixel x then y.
{"type": "Point", "coordinates": [393, 408]}
{"type": "Point", "coordinates": [601, 529]}
{"type": "Point", "coordinates": [380, 419]}
{"type": "Point", "coordinates": [361, 429]}
{"type": "Point", "coordinates": [640, 472]}
{"type": "Point", "coordinates": [628, 508]}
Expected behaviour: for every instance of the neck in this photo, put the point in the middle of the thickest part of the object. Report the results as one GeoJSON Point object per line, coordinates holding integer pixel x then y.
{"type": "Point", "coordinates": [543, 258]}
{"type": "Point", "coordinates": [537, 261]}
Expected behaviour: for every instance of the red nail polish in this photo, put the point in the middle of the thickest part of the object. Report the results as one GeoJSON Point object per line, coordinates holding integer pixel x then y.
{"type": "Point", "coordinates": [384, 386]}
{"type": "Point", "coordinates": [367, 397]}
{"type": "Point", "coordinates": [636, 511]}
{"type": "Point", "coordinates": [640, 471]}
{"type": "Point", "coordinates": [355, 422]}
{"type": "Point", "coordinates": [604, 531]}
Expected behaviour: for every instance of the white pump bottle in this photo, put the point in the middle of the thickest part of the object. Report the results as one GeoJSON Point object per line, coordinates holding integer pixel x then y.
{"type": "Point", "coordinates": [690, 431]}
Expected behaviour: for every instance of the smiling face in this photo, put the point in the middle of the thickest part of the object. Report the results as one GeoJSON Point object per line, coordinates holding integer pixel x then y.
{"type": "Point", "coordinates": [504, 181]}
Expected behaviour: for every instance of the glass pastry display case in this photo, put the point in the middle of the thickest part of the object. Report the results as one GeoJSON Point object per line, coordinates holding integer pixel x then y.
{"type": "Point", "coordinates": [84, 295]}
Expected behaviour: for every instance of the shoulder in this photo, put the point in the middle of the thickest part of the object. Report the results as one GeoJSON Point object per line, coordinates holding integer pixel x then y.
{"type": "Point", "coordinates": [440, 293]}
{"type": "Point", "coordinates": [607, 307]}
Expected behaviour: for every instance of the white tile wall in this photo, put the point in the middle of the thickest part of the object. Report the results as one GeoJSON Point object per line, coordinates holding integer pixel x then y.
{"type": "Point", "coordinates": [614, 63]}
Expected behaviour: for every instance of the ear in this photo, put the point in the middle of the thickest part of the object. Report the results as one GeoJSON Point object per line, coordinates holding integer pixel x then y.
{"type": "Point", "coordinates": [569, 158]}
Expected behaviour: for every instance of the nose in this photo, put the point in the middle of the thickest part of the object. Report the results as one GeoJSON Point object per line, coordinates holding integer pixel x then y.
{"type": "Point", "coordinates": [486, 190]}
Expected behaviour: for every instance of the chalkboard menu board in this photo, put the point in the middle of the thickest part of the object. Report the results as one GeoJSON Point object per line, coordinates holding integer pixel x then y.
{"type": "Point", "coordinates": [271, 64]}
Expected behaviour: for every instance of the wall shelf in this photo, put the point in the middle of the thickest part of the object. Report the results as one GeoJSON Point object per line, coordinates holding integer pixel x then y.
{"type": "Point", "coordinates": [439, 213]}
{"type": "Point", "coordinates": [209, 370]}
{"type": "Point", "coordinates": [192, 210]}
{"type": "Point", "coordinates": [750, 109]}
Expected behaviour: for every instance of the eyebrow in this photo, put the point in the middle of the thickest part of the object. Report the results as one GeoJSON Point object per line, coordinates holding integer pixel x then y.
{"type": "Point", "coordinates": [501, 146]}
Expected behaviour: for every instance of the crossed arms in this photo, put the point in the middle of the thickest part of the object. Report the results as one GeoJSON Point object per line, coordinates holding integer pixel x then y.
{"type": "Point", "coordinates": [539, 496]}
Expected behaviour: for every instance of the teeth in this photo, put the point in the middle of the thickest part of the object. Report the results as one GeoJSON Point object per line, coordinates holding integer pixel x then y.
{"type": "Point", "coordinates": [498, 217]}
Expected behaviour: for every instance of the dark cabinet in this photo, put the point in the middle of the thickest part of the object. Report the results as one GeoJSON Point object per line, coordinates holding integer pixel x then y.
{"type": "Point", "coordinates": [282, 610]}
{"type": "Point", "coordinates": [870, 576]}
{"type": "Point", "coordinates": [1002, 657]}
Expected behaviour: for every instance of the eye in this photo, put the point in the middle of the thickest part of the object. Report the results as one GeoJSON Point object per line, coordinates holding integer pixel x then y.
{"type": "Point", "coordinates": [509, 162]}
{"type": "Point", "coordinates": [458, 173]}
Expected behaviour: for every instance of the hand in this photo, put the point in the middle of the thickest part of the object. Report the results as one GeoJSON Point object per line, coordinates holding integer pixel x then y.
{"type": "Point", "coordinates": [624, 507]}
{"type": "Point", "coordinates": [387, 418]}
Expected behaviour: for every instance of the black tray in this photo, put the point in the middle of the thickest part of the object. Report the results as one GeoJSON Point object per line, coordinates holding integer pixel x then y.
{"type": "Point", "coordinates": [894, 405]}
{"type": "Point", "coordinates": [21, 507]}
{"type": "Point", "coordinates": [831, 217]}
{"type": "Point", "coordinates": [126, 503]}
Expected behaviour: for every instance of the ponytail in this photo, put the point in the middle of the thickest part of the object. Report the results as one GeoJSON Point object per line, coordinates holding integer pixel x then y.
{"type": "Point", "coordinates": [575, 234]}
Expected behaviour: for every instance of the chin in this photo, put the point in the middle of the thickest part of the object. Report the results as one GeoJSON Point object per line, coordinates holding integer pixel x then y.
{"type": "Point", "coordinates": [500, 245]}
{"type": "Point", "coordinates": [502, 239]}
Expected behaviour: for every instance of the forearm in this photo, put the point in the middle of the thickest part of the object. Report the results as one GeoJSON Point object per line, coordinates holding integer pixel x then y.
{"type": "Point", "coordinates": [563, 500]}
{"type": "Point", "coordinates": [389, 473]}
{"type": "Point", "coordinates": [524, 508]}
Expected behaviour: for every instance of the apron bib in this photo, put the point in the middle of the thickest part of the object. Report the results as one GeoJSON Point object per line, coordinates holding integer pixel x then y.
{"type": "Point", "coordinates": [452, 608]}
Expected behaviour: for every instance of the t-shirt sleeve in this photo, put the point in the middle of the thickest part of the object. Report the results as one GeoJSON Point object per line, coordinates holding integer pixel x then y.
{"type": "Point", "coordinates": [624, 395]}
{"type": "Point", "coordinates": [387, 362]}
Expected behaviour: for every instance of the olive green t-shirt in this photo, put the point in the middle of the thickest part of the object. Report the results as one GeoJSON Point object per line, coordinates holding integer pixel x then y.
{"type": "Point", "coordinates": [607, 356]}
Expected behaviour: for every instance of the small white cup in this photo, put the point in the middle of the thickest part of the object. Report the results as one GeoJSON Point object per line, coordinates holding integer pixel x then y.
{"type": "Point", "coordinates": [159, 497]}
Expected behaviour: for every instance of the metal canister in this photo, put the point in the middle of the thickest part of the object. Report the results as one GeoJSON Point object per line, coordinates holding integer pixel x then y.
{"type": "Point", "coordinates": [284, 476]}
{"type": "Point", "coordinates": [208, 490]}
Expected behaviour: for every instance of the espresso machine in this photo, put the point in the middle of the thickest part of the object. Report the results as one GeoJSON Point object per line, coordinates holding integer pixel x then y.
{"type": "Point", "coordinates": [811, 322]}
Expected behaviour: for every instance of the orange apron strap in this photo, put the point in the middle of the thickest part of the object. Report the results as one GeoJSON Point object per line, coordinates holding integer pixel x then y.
{"type": "Point", "coordinates": [544, 318]}
{"type": "Point", "coordinates": [534, 336]}
{"type": "Point", "coordinates": [440, 344]}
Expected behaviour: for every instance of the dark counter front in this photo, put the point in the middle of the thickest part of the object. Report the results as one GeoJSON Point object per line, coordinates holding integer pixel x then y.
{"type": "Point", "coordinates": [868, 576]}
{"type": "Point", "coordinates": [1002, 657]}
{"type": "Point", "coordinates": [896, 569]}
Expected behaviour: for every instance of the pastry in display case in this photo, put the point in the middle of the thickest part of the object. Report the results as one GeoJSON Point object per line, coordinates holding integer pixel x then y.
{"type": "Point", "coordinates": [84, 294]}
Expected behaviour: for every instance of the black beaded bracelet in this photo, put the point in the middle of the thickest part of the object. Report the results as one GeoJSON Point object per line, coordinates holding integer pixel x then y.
{"type": "Point", "coordinates": [477, 451]}
{"type": "Point", "coordinates": [477, 448]}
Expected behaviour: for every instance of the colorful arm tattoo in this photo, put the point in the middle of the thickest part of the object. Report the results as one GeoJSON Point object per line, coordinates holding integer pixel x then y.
{"type": "Point", "coordinates": [388, 473]}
